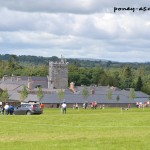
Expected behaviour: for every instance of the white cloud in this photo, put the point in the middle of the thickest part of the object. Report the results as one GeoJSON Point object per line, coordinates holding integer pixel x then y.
{"type": "Point", "coordinates": [67, 6]}
{"type": "Point", "coordinates": [80, 28]}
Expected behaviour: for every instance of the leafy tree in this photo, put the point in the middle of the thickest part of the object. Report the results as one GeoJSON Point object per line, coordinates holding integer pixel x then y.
{"type": "Point", "coordinates": [61, 94]}
{"type": "Point", "coordinates": [110, 80]}
{"type": "Point", "coordinates": [109, 94]}
{"type": "Point", "coordinates": [85, 93]}
{"type": "Point", "coordinates": [127, 78]}
{"type": "Point", "coordinates": [73, 68]}
{"type": "Point", "coordinates": [116, 78]}
{"type": "Point", "coordinates": [127, 72]}
{"type": "Point", "coordinates": [5, 95]}
{"type": "Point", "coordinates": [127, 83]}
{"type": "Point", "coordinates": [104, 80]}
{"type": "Point", "coordinates": [97, 72]}
{"type": "Point", "coordinates": [43, 70]}
{"type": "Point", "coordinates": [77, 64]}
{"type": "Point", "coordinates": [74, 77]}
{"type": "Point", "coordinates": [24, 93]}
{"type": "Point", "coordinates": [146, 87]}
{"type": "Point", "coordinates": [84, 80]}
{"type": "Point", "coordinates": [14, 58]}
{"type": "Point", "coordinates": [132, 93]}
{"type": "Point", "coordinates": [141, 71]}
{"type": "Point", "coordinates": [54, 58]}
{"type": "Point", "coordinates": [11, 64]}
{"type": "Point", "coordinates": [139, 84]}
{"type": "Point", "coordinates": [1, 91]}
{"type": "Point", "coordinates": [40, 93]}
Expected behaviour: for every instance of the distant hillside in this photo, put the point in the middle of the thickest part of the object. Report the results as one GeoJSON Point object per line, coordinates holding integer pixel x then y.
{"type": "Point", "coordinates": [38, 60]}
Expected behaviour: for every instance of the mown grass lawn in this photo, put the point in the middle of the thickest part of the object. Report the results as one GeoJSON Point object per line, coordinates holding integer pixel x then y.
{"type": "Point", "coordinates": [108, 129]}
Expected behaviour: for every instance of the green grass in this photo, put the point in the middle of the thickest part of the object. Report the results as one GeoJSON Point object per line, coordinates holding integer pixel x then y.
{"type": "Point", "coordinates": [108, 129]}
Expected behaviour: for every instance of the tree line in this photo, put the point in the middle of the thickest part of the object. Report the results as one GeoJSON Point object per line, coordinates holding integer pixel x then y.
{"type": "Point", "coordinates": [123, 76]}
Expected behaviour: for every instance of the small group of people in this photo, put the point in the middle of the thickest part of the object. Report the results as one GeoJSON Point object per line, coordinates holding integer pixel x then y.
{"type": "Point", "coordinates": [94, 105]}
{"type": "Point", "coordinates": [139, 104]}
{"type": "Point", "coordinates": [7, 109]}
{"type": "Point", "coordinates": [102, 106]}
{"type": "Point", "coordinates": [142, 104]}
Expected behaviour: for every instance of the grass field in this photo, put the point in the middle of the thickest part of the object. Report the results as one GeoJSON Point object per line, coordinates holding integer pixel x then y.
{"type": "Point", "coordinates": [108, 129]}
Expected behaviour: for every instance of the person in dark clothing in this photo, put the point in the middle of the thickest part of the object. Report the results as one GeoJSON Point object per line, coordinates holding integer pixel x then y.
{"type": "Point", "coordinates": [11, 109]}
{"type": "Point", "coordinates": [64, 107]}
{"type": "Point", "coordinates": [3, 110]}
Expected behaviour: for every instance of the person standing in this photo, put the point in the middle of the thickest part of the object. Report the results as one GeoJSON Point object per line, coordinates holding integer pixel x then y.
{"type": "Point", "coordinates": [77, 106]}
{"type": "Point", "coordinates": [64, 107]}
{"type": "Point", "coordinates": [129, 105]}
{"type": "Point", "coordinates": [42, 106]}
{"type": "Point", "coordinates": [6, 107]}
{"type": "Point", "coordinates": [3, 110]}
{"type": "Point", "coordinates": [11, 109]}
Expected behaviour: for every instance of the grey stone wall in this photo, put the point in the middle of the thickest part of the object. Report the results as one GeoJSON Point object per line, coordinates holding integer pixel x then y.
{"type": "Point", "coordinates": [58, 75]}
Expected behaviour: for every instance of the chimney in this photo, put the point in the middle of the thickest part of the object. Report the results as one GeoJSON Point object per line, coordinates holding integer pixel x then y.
{"type": "Point", "coordinates": [92, 91]}
{"type": "Point", "coordinates": [5, 77]}
{"type": "Point", "coordinates": [29, 83]}
{"type": "Point", "coordinates": [12, 77]}
{"type": "Point", "coordinates": [18, 78]}
{"type": "Point", "coordinates": [72, 88]}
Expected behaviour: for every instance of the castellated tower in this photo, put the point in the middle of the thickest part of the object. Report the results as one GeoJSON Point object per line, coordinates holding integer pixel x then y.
{"type": "Point", "coordinates": [58, 74]}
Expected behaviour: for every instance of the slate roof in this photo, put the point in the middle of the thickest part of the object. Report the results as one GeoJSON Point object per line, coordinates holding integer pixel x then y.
{"type": "Point", "coordinates": [78, 98]}
{"type": "Point", "coordinates": [32, 97]}
{"type": "Point", "coordinates": [14, 96]}
{"type": "Point", "coordinates": [23, 80]}
{"type": "Point", "coordinates": [100, 98]}
{"type": "Point", "coordinates": [51, 96]}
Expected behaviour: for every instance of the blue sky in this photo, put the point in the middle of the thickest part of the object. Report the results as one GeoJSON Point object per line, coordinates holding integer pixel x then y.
{"type": "Point", "coordinates": [75, 29]}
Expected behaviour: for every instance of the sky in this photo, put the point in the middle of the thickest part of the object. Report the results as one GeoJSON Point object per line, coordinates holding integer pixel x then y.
{"type": "Point", "coordinates": [76, 29]}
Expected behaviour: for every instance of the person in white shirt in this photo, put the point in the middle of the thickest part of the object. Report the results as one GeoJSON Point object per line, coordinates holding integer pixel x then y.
{"type": "Point", "coordinates": [6, 107]}
{"type": "Point", "coordinates": [64, 106]}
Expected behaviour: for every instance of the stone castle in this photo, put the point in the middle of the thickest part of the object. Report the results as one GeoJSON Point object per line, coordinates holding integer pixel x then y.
{"type": "Point", "coordinates": [58, 74]}
{"type": "Point", "coordinates": [56, 79]}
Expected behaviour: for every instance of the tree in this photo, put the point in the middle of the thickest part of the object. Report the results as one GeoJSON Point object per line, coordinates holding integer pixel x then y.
{"type": "Point", "coordinates": [61, 94]}
{"type": "Point", "coordinates": [24, 93]}
{"type": "Point", "coordinates": [96, 76]}
{"type": "Point", "coordinates": [85, 92]}
{"type": "Point", "coordinates": [109, 94]}
{"type": "Point", "coordinates": [127, 72]}
{"type": "Point", "coordinates": [132, 93]}
{"type": "Point", "coordinates": [1, 91]}
{"type": "Point", "coordinates": [127, 78]}
{"type": "Point", "coordinates": [40, 93]}
{"type": "Point", "coordinates": [84, 80]}
{"type": "Point", "coordinates": [104, 80]}
{"type": "Point", "coordinates": [5, 95]}
{"type": "Point", "coordinates": [74, 77]}
{"type": "Point", "coordinates": [146, 87]}
{"type": "Point", "coordinates": [139, 84]}
{"type": "Point", "coordinates": [116, 78]}
{"type": "Point", "coordinates": [11, 64]}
